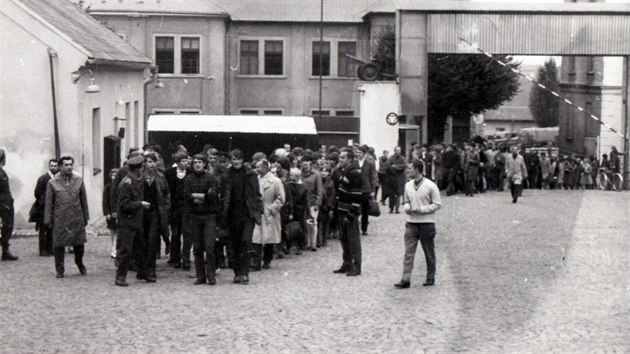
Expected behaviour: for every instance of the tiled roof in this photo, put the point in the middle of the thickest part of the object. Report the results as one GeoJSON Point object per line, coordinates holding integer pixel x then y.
{"type": "Point", "coordinates": [507, 113]}
{"type": "Point", "coordinates": [343, 11]}
{"type": "Point", "coordinates": [101, 43]}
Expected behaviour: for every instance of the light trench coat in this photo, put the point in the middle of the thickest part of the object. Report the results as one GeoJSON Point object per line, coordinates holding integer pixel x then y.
{"type": "Point", "coordinates": [66, 210]}
{"type": "Point", "coordinates": [269, 230]}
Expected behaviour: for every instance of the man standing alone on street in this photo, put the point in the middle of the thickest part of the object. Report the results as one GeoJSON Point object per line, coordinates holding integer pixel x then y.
{"type": "Point", "coordinates": [7, 213]}
{"type": "Point", "coordinates": [421, 200]}
{"type": "Point", "coordinates": [45, 234]}
{"type": "Point", "coordinates": [348, 204]}
{"type": "Point", "coordinates": [67, 214]}
{"type": "Point", "coordinates": [515, 172]}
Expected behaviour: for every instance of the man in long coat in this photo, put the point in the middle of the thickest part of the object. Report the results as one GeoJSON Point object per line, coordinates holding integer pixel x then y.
{"type": "Point", "coordinates": [515, 172]}
{"type": "Point", "coordinates": [268, 233]}
{"type": "Point", "coordinates": [67, 214]}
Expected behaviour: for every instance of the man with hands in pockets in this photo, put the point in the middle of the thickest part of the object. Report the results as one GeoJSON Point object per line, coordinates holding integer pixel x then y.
{"type": "Point", "coordinates": [421, 200]}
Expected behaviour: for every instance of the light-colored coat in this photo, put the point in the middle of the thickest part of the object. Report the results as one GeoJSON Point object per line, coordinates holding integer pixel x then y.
{"type": "Point", "coordinates": [269, 230]}
{"type": "Point", "coordinates": [515, 169]}
{"type": "Point", "coordinates": [66, 210]}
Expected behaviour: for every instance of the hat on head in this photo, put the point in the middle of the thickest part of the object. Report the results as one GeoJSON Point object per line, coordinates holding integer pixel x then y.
{"type": "Point", "coordinates": [135, 161]}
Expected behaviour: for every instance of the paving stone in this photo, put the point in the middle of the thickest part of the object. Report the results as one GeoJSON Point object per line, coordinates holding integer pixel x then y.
{"type": "Point", "coordinates": [547, 274]}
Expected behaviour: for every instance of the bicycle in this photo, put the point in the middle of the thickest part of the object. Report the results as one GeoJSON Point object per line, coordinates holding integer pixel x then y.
{"type": "Point", "coordinates": [607, 180]}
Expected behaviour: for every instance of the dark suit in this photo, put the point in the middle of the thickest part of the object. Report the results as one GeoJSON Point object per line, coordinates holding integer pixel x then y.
{"type": "Point", "coordinates": [368, 176]}
{"type": "Point", "coordinates": [45, 234]}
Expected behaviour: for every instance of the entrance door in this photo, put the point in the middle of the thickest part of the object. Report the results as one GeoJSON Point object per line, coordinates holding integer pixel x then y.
{"type": "Point", "coordinates": [111, 155]}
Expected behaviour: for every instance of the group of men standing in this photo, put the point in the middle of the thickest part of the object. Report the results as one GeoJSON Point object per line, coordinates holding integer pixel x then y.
{"type": "Point", "coordinates": [204, 203]}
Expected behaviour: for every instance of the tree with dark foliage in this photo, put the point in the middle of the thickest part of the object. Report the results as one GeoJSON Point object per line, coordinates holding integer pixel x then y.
{"type": "Point", "coordinates": [544, 106]}
{"type": "Point", "coordinates": [465, 85]}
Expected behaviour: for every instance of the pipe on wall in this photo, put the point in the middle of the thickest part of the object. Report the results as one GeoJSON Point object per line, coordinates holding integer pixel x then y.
{"type": "Point", "coordinates": [52, 57]}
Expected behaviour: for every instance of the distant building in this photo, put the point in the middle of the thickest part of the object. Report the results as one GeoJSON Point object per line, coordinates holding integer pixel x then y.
{"type": "Point", "coordinates": [513, 115]}
{"type": "Point", "coordinates": [68, 87]}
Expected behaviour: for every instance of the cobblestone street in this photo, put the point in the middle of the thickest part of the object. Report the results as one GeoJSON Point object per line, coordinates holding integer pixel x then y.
{"type": "Point", "coordinates": [548, 274]}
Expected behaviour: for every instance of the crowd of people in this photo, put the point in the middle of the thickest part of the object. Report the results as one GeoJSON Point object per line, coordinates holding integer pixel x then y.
{"type": "Point", "coordinates": [474, 168]}
{"type": "Point", "coordinates": [222, 210]}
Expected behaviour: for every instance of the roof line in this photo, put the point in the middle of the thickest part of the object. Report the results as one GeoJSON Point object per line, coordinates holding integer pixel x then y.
{"type": "Point", "coordinates": [53, 28]}
{"type": "Point", "coordinates": [121, 63]}
{"type": "Point", "coordinates": [156, 13]}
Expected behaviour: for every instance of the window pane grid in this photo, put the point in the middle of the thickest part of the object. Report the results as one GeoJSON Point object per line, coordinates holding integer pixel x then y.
{"type": "Point", "coordinates": [325, 55]}
{"type": "Point", "coordinates": [273, 57]}
{"type": "Point", "coordinates": [249, 57]}
{"type": "Point", "coordinates": [190, 55]}
{"type": "Point", "coordinates": [165, 54]}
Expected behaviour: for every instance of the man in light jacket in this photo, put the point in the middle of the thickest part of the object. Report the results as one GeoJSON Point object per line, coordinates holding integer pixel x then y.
{"type": "Point", "coordinates": [516, 172]}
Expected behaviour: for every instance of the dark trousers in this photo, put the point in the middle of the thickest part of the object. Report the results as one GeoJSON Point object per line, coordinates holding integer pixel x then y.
{"type": "Point", "coordinates": [147, 245]}
{"type": "Point", "coordinates": [516, 190]}
{"type": "Point", "coordinates": [450, 178]}
{"type": "Point", "coordinates": [350, 242]}
{"type": "Point", "coordinates": [241, 238]}
{"type": "Point", "coordinates": [60, 254]}
{"type": "Point", "coordinates": [180, 251]}
{"type": "Point", "coordinates": [45, 239]}
{"type": "Point", "coordinates": [426, 234]}
{"type": "Point", "coordinates": [394, 192]}
{"type": "Point", "coordinates": [264, 253]}
{"type": "Point", "coordinates": [7, 217]}
{"type": "Point", "coordinates": [365, 210]}
{"type": "Point", "coordinates": [203, 230]}
{"type": "Point", "coordinates": [124, 249]}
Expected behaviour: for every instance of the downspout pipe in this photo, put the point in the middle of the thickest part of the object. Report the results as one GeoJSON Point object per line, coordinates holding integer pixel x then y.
{"type": "Point", "coordinates": [52, 57]}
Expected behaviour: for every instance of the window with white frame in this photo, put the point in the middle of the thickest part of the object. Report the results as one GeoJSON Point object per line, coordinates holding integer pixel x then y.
{"type": "Point", "coordinates": [321, 50]}
{"type": "Point", "coordinates": [273, 57]}
{"type": "Point", "coordinates": [165, 54]}
{"type": "Point", "coordinates": [249, 57]}
{"type": "Point", "coordinates": [261, 57]}
{"type": "Point", "coordinates": [272, 112]}
{"type": "Point", "coordinates": [177, 54]}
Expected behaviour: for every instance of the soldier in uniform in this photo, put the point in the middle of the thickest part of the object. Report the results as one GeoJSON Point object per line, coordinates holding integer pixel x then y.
{"type": "Point", "coordinates": [130, 213]}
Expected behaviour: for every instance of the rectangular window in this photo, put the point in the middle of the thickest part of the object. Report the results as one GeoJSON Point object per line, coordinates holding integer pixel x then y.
{"type": "Point", "coordinates": [346, 67]}
{"type": "Point", "coordinates": [273, 57]}
{"type": "Point", "coordinates": [249, 58]}
{"type": "Point", "coordinates": [324, 54]}
{"type": "Point", "coordinates": [569, 124]}
{"type": "Point", "coordinates": [273, 112]}
{"type": "Point", "coordinates": [344, 113]}
{"type": "Point", "coordinates": [190, 55]}
{"type": "Point", "coordinates": [136, 126]}
{"type": "Point", "coordinates": [189, 112]}
{"type": "Point", "coordinates": [249, 112]}
{"type": "Point", "coordinates": [163, 112]}
{"type": "Point", "coordinates": [165, 54]}
{"type": "Point", "coordinates": [96, 141]}
{"type": "Point", "coordinates": [315, 113]}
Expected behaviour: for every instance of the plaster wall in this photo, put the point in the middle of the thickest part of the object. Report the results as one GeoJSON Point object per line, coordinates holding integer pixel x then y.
{"type": "Point", "coordinates": [377, 100]}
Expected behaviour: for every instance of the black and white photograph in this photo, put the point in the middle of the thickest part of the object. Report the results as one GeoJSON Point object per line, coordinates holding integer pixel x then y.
{"type": "Point", "coordinates": [315, 176]}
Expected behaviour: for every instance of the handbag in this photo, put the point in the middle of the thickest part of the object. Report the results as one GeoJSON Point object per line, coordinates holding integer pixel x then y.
{"type": "Point", "coordinates": [375, 209]}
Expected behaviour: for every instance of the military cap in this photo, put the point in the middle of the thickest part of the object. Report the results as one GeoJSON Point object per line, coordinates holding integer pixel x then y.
{"type": "Point", "coordinates": [135, 161]}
